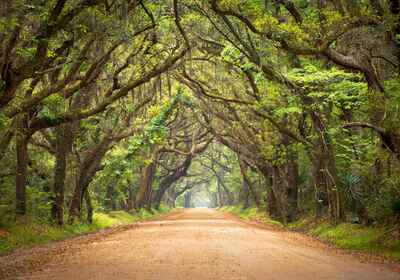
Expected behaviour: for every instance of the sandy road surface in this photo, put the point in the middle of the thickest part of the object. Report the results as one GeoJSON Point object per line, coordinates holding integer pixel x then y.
{"type": "Point", "coordinates": [199, 244]}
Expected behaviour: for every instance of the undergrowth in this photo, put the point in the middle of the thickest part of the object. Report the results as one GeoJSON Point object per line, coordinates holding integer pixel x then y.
{"type": "Point", "coordinates": [27, 235]}
{"type": "Point", "coordinates": [375, 240]}
{"type": "Point", "coordinates": [251, 214]}
{"type": "Point", "coordinates": [357, 237]}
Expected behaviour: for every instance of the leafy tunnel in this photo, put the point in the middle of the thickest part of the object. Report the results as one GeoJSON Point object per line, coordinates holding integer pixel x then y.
{"type": "Point", "coordinates": [290, 106]}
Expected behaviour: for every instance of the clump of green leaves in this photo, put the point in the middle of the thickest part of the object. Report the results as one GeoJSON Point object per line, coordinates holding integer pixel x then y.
{"type": "Point", "coordinates": [156, 131]}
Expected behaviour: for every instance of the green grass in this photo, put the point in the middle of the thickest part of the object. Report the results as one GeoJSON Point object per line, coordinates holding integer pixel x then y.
{"type": "Point", "coordinates": [250, 214]}
{"type": "Point", "coordinates": [27, 235]}
{"type": "Point", "coordinates": [358, 237]}
{"type": "Point", "coordinates": [345, 235]}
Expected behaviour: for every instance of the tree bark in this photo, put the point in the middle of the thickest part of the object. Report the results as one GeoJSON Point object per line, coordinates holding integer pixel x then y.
{"type": "Point", "coordinates": [320, 188]}
{"type": "Point", "coordinates": [170, 179]}
{"type": "Point", "coordinates": [292, 180]}
{"type": "Point", "coordinates": [244, 195]}
{"type": "Point", "coordinates": [131, 198]}
{"type": "Point", "coordinates": [277, 209]}
{"type": "Point", "coordinates": [229, 196]}
{"type": "Point", "coordinates": [110, 201]}
{"type": "Point", "coordinates": [145, 185]}
{"type": "Point", "coordinates": [22, 140]}
{"type": "Point", "coordinates": [187, 199]}
{"type": "Point", "coordinates": [325, 171]}
{"type": "Point", "coordinates": [89, 207]}
{"type": "Point", "coordinates": [272, 204]}
{"type": "Point", "coordinates": [220, 201]}
{"type": "Point", "coordinates": [63, 143]}
{"type": "Point", "coordinates": [89, 167]}
{"type": "Point", "coordinates": [248, 184]}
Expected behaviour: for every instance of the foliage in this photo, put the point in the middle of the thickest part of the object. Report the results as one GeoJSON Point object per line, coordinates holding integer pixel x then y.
{"type": "Point", "coordinates": [156, 131]}
{"type": "Point", "coordinates": [231, 102]}
{"type": "Point", "coordinates": [357, 237]}
{"type": "Point", "coordinates": [251, 214]}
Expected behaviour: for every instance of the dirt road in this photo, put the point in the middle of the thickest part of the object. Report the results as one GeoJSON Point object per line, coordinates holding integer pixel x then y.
{"type": "Point", "coordinates": [199, 244]}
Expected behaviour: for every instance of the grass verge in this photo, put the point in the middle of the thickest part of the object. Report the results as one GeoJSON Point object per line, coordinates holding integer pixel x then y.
{"type": "Point", "coordinates": [251, 214]}
{"type": "Point", "coordinates": [23, 236]}
{"type": "Point", "coordinates": [377, 241]}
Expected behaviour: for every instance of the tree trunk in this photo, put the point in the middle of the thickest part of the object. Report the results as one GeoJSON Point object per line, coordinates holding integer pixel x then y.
{"type": "Point", "coordinates": [149, 194]}
{"type": "Point", "coordinates": [170, 179]}
{"type": "Point", "coordinates": [160, 194]}
{"type": "Point", "coordinates": [244, 194]}
{"type": "Point", "coordinates": [131, 198]}
{"type": "Point", "coordinates": [89, 207]}
{"type": "Point", "coordinates": [277, 209]}
{"type": "Point", "coordinates": [22, 140]}
{"type": "Point", "coordinates": [254, 194]}
{"type": "Point", "coordinates": [292, 179]}
{"type": "Point", "coordinates": [325, 170]}
{"type": "Point", "coordinates": [187, 199]}
{"type": "Point", "coordinates": [220, 201]}
{"type": "Point", "coordinates": [247, 183]}
{"type": "Point", "coordinates": [75, 207]}
{"type": "Point", "coordinates": [320, 188]}
{"type": "Point", "coordinates": [62, 150]}
{"type": "Point", "coordinates": [145, 185]}
{"type": "Point", "coordinates": [171, 197]}
{"type": "Point", "coordinates": [110, 202]}
{"type": "Point", "coordinates": [229, 196]}
{"type": "Point", "coordinates": [272, 204]}
{"type": "Point", "coordinates": [79, 192]}
{"type": "Point", "coordinates": [91, 164]}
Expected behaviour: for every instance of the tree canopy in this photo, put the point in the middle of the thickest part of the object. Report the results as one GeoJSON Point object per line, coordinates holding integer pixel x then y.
{"type": "Point", "coordinates": [290, 105]}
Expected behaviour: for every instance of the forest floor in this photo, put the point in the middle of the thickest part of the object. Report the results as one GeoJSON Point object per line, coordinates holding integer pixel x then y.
{"type": "Point", "coordinates": [190, 244]}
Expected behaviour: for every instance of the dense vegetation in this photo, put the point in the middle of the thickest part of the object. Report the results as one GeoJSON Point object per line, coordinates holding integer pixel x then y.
{"type": "Point", "coordinates": [291, 106]}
